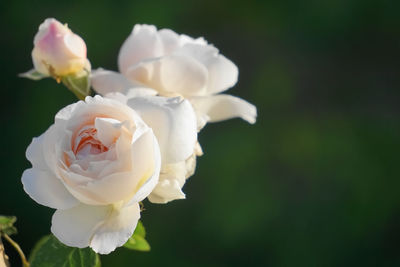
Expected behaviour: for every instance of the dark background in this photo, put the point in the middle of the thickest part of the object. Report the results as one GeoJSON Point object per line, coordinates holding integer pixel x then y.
{"type": "Point", "coordinates": [315, 182]}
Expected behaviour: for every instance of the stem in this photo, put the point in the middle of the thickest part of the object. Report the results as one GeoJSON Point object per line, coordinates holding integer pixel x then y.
{"type": "Point", "coordinates": [25, 263]}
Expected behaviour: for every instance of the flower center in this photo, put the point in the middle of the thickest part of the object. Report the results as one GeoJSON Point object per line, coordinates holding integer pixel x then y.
{"type": "Point", "coordinates": [86, 142]}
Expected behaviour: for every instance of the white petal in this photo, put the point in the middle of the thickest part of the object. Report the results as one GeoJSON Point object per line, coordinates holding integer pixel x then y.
{"type": "Point", "coordinates": [101, 227]}
{"type": "Point", "coordinates": [169, 187]}
{"type": "Point", "coordinates": [106, 81]}
{"type": "Point", "coordinates": [223, 107]}
{"type": "Point", "coordinates": [116, 230]}
{"type": "Point", "coordinates": [166, 191]}
{"type": "Point", "coordinates": [149, 185]}
{"type": "Point", "coordinates": [169, 39]}
{"type": "Point", "coordinates": [222, 73]}
{"type": "Point", "coordinates": [173, 42]}
{"type": "Point", "coordinates": [172, 179]}
{"type": "Point", "coordinates": [174, 74]}
{"type": "Point", "coordinates": [173, 122]}
{"type": "Point", "coordinates": [75, 227]}
{"type": "Point", "coordinates": [65, 113]}
{"type": "Point", "coordinates": [46, 189]}
{"type": "Point", "coordinates": [34, 153]}
{"type": "Point", "coordinates": [143, 43]}
{"type": "Point", "coordinates": [138, 92]}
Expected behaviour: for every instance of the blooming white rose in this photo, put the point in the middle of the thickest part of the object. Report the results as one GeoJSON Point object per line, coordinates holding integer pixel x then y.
{"type": "Point", "coordinates": [174, 124]}
{"type": "Point", "coordinates": [94, 164]}
{"type": "Point", "coordinates": [175, 65]}
{"type": "Point", "coordinates": [57, 50]}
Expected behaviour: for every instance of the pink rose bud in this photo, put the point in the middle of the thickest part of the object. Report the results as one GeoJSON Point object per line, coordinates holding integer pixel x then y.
{"type": "Point", "coordinates": [57, 50]}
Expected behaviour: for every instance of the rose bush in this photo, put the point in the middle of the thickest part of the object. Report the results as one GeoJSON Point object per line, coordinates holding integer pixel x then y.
{"type": "Point", "coordinates": [94, 164]}
{"type": "Point", "coordinates": [57, 50]}
{"type": "Point", "coordinates": [177, 65]}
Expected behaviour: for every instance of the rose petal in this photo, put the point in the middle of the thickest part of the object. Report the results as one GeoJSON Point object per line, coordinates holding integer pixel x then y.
{"type": "Point", "coordinates": [116, 230]}
{"type": "Point", "coordinates": [143, 43]}
{"type": "Point", "coordinates": [34, 153]}
{"type": "Point", "coordinates": [222, 73]}
{"type": "Point", "coordinates": [108, 130]}
{"type": "Point", "coordinates": [173, 122]}
{"type": "Point", "coordinates": [169, 187]}
{"type": "Point", "coordinates": [101, 227]}
{"type": "Point", "coordinates": [174, 74]}
{"type": "Point", "coordinates": [57, 50]}
{"type": "Point", "coordinates": [150, 183]}
{"type": "Point", "coordinates": [121, 179]}
{"type": "Point", "coordinates": [223, 107]}
{"type": "Point", "coordinates": [106, 81]}
{"type": "Point", "coordinates": [47, 190]}
{"type": "Point", "coordinates": [75, 45]}
{"type": "Point", "coordinates": [169, 39]}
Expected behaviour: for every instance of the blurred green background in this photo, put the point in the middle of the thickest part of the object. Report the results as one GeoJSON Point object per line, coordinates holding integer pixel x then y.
{"type": "Point", "coordinates": [315, 182]}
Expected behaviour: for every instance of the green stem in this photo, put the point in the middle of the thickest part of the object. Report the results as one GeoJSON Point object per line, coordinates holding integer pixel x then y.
{"type": "Point", "coordinates": [25, 262]}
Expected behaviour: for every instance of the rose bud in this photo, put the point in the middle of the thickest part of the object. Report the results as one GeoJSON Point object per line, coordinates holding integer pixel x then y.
{"type": "Point", "coordinates": [57, 50]}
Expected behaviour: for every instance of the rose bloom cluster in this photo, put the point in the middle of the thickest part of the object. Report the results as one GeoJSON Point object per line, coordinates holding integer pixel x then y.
{"type": "Point", "coordinates": [136, 139]}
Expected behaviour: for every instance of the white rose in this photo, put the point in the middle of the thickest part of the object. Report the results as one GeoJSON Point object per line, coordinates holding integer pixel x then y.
{"type": "Point", "coordinates": [94, 164]}
{"type": "Point", "coordinates": [57, 50]}
{"type": "Point", "coordinates": [174, 124]}
{"type": "Point", "coordinates": [174, 65]}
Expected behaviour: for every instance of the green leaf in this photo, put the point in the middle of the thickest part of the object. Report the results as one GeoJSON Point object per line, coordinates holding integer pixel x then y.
{"type": "Point", "coordinates": [137, 241]}
{"type": "Point", "coordinates": [7, 224]}
{"type": "Point", "coordinates": [78, 83]}
{"type": "Point", "coordinates": [140, 229]}
{"type": "Point", "coordinates": [49, 252]}
{"type": "Point", "coordinates": [33, 75]}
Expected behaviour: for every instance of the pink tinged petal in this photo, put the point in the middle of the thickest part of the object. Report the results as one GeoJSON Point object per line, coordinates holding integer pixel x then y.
{"type": "Point", "coordinates": [173, 122]}
{"type": "Point", "coordinates": [222, 73]}
{"type": "Point", "coordinates": [174, 74]}
{"type": "Point", "coordinates": [143, 43]}
{"type": "Point", "coordinates": [103, 228]}
{"type": "Point", "coordinates": [105, 81]}
{"type": "Point", "coordinates": [121, 179]}
{"type": "Point", "coordinates": [46, 189]}
{"type": "Point", "coordinates": [223, 107]}
{"type": "Point", "coordinates": [58, 50]}
{"type": "Point", "coordinates": [108, 130]}
{"type": "Point", "coordinates": [44, 28]}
